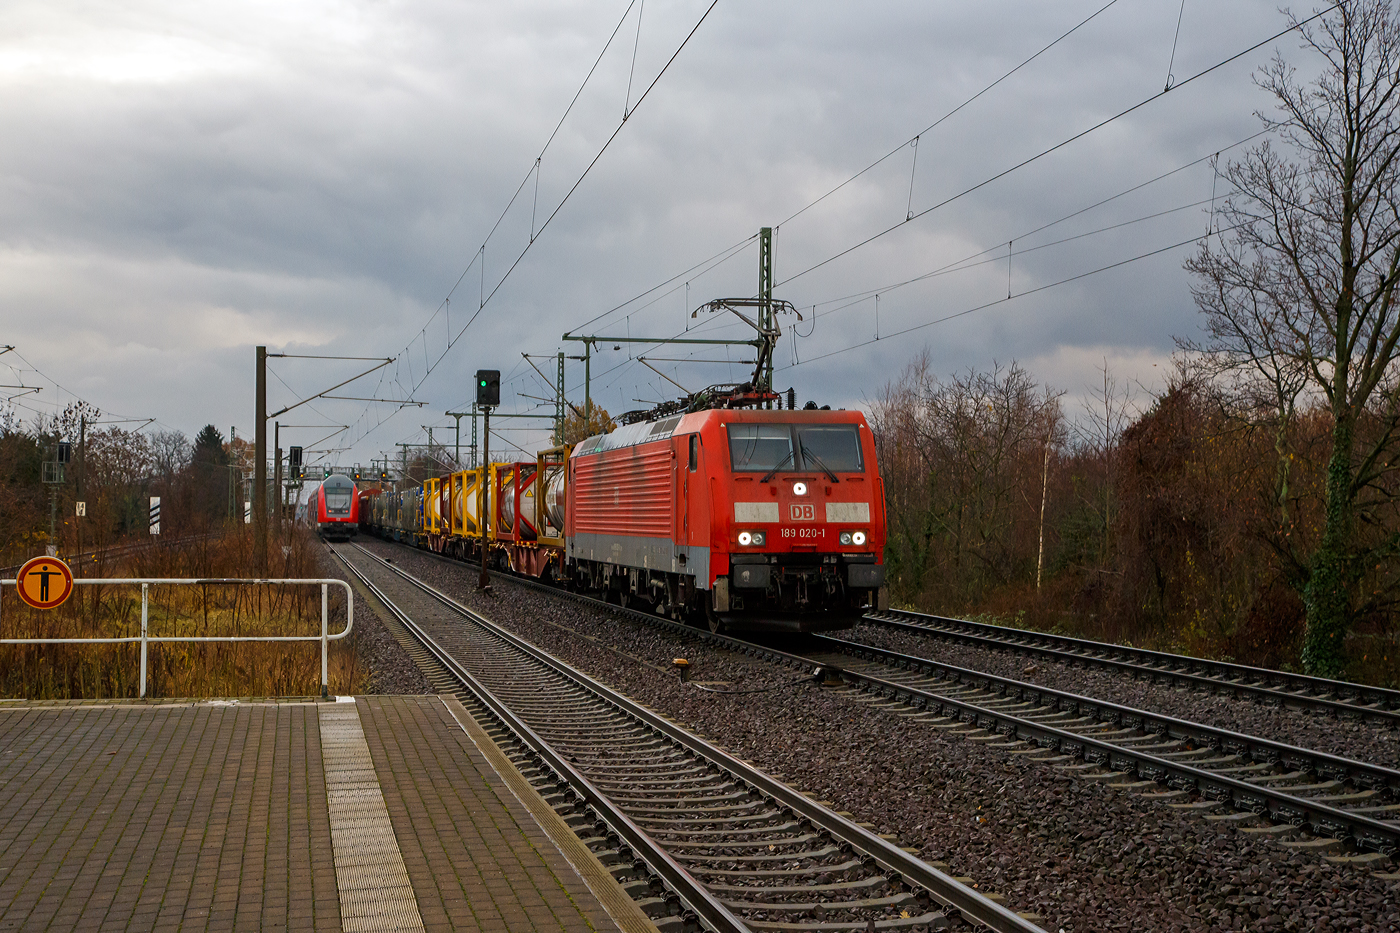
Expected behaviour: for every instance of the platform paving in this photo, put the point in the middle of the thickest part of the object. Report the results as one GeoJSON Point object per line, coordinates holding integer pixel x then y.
{"type": "Point", "coordinates": [213, 815]}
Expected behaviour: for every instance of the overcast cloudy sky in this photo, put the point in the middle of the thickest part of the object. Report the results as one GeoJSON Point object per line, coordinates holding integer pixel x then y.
{"type": "Point", "coordinates": [181, 182]}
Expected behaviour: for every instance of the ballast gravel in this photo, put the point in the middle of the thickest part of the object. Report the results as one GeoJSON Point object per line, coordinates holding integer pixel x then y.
{"type": "Point", "coordinates": [391, 671]}
{"type": "Point", "coordinates": [1081, 855]}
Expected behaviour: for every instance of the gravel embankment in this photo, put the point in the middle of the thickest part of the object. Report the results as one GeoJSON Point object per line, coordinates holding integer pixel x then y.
{"type": "Point", "coordinates": [391, 670]}
{"type": "Point", "coordinates": [1083, 856]}
{"type": "Point", "coordinates": [1372, 744]}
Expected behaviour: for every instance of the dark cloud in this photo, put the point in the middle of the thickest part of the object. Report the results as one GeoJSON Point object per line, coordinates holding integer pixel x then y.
{"type": "Point", "coordinates": [178, 184]}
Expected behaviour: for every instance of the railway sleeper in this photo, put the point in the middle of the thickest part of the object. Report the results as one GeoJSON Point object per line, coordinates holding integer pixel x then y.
{"type": "Point", "coordinates": [697, 814]}
{"type": "Point", "coordinates": [813, 907]}
{"type": "Point", "coordinates": [742, 794]}
{"type": "Point", "coordinates": [762, 831]}
{"type": "Point", "coordinates": [936, 920]}
{"type": "Point", "coordinates": [875, 882]}
{"type": "Point", "coordinates": [793, 873]}
{"type": "Point", "coordinates": [772, 843]}
{"type": "Point", "coordinates": [645, 821]}
{"type": "Point", "coordinates": [698, 782]}
{"type": "Point", "coordinates": [768, 859]}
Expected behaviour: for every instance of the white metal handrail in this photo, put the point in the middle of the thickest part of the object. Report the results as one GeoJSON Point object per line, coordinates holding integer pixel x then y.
{"type": "Point", "coordinates": [325, 638]}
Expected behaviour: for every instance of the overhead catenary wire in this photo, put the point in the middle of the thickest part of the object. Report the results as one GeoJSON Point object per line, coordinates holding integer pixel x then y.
{"type": "Point", "coordinates": [727, 251]}
{"type": "Point", "coordinates": [1057, 146]}
{"type": "Point", "coordinates": [992, 255]}
{"type": "Point", "coordinates": [1080, 135]}
{"type": "Point", "coordinates": [934, 125]}
{"type": "Point", "coordinates": [1031, 291]}
{"type": "Point", "coordinates": [909, 213]}
{"type": "Point", "coordinates": [485, 297]}
{"type": "Point", "coordinates": [988, 255]}
{"type": "Point", "coordinates": [912, 141]}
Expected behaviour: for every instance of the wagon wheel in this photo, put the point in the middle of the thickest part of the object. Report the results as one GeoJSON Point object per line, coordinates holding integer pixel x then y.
{"type": "Point", "coordinates": [715, 622]}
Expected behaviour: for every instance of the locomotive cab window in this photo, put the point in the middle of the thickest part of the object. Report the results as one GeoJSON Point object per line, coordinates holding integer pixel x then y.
{"type": "Point", "coordinates": [758, 448]}
{"type": "Point", "coordinates": [694, 451]}
{"type": "Point", "coordinates": [835, 447]}
{"type": "Point", "coordinates": [339, 494]}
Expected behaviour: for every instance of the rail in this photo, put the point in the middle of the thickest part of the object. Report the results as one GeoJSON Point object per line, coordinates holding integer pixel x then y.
{"type": "Point", "coordinates": [1364, 831]}
{"type": "Point", "coordinates": [1332, 696]}
{"type": "Point", "coordinates": [974, 907]}
{"type": "Point", "coordinates": [145, 638]}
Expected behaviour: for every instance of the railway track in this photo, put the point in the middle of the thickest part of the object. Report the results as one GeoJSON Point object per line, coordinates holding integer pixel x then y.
{"type": "Point", "coordinates": [1298, 691]}
{"type": "Point", "coordinates": [1335, 797]}
{"type": "Point", "coordinates": [1295, 790]}
{"type": "Point", "coordinates": [703, 838]}
{"type": "Point", "coordinates": [112, 552]}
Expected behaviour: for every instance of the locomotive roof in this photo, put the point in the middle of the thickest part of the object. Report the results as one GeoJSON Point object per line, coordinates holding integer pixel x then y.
{"type": "Point", "coordinates": [632, 434]}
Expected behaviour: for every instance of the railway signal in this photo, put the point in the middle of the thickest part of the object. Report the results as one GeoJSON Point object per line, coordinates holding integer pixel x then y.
{"type": "Point", "coordinates": [488, 388]}
{"type": "Point", "coordinates": [488, 396]}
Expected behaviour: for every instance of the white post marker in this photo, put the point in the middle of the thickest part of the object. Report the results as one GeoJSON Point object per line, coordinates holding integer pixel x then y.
{"type": "Point", "coordinates": [82, 509]}
{"type": "Point", "coordinates": [247, 513]}
{"type": "Point", "coordinates": [155, 515]}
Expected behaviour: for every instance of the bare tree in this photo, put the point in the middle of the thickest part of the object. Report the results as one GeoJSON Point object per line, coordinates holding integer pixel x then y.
{"type": "Point", "coordinates": [1106, 415]}
{"type": "Point", "coordinates": [965, 463]}
{"type": "Point", "coordinates": [170, 454]}
{"type": "Point", "coordinates": [1299, 294]}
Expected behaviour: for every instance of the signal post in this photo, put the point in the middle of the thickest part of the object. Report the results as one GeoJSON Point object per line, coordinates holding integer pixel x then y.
{"type": "Point", "coordinates": [488, 396]}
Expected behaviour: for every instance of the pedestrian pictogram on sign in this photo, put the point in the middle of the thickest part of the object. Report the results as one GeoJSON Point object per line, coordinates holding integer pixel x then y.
{"type": "Point", "coordinates": [44, 582]}
{"type": "Point", "coordinates": [82, 509]}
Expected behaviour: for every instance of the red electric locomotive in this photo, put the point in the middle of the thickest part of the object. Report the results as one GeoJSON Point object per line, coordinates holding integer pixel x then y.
{"type": "Point", "coordinates": [721, 508]}
{"type": "Point", "coordinates": [758, 519]}
{"type": "Point", "coordinates": [334, 508]}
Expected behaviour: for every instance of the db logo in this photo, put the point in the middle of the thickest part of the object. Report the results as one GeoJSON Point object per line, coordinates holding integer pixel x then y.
{"type": "Point", "coordinates": [804, 512]}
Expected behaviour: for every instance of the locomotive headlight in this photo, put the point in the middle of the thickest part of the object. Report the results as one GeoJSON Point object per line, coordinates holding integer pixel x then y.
{"type": "Point", "coordinates": [758, 539]}
{"type": "Point", "coordinates": [799, 489]}
{"type": "Point", "coordinates": [745, 538]}
{"type": "Point", "coordinates": [858, 538]}
{"type": "Point", "coordinates": [845, 537]}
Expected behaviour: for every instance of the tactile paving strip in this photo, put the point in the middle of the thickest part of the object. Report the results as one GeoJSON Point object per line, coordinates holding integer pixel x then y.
{"type": "Point", "coordinates": [375, 893]}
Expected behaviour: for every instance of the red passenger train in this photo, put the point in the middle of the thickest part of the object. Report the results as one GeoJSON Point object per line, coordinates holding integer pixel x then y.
{"type": "Point", "coordinates": [334, 508]}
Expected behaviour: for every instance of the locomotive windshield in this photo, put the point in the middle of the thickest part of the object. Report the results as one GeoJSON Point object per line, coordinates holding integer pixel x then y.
{"type": "Point", "coordinates": [761, 448]}
{"type": "Point", "coordinates": [339, 493]}
{"type": "Point", "coordinates": [834, 447]}
{"type": "Point", "coordinates": [758, 448]}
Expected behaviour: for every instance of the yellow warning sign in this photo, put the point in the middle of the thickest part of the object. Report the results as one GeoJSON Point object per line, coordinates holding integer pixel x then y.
{"type": "Point", "coordinates": [44, 582]}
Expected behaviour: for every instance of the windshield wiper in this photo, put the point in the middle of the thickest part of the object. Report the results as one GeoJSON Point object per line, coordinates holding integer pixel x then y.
{"type": "Point", "coordinates": [781, 463]}
{"type": "Point", "coordinates": [818, 460]}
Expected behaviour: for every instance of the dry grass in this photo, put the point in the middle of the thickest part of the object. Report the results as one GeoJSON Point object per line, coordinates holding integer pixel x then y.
{"type": "Point", "coordinates": [183, 669]}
